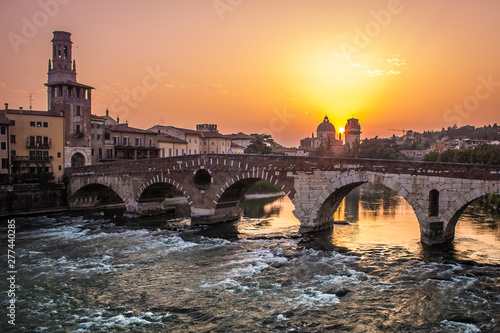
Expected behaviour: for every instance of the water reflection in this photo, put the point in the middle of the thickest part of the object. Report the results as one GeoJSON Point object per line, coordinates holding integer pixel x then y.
{"type": "Point", "coordinates": [373, 216]}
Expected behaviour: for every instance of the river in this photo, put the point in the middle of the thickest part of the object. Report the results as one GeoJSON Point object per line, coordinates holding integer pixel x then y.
{"type": "Point", "coordinates": [93, 273]}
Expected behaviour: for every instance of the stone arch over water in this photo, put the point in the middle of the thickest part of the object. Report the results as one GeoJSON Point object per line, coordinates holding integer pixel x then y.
{"type": "Point", "coordinates": [94, 195]}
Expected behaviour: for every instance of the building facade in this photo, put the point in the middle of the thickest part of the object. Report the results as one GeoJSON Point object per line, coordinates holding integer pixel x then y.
{"type": "Point", "coordinates": [4, 148]}
{"type": "Point", "coordinates": [171, 146]}
{"type": "Point", "coordinates": [211, 141]}
{"type": "Point", "coordinates": [36, 141]}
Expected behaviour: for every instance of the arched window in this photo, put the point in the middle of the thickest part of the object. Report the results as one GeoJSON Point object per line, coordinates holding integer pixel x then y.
{"type": "Point", "coordinates": [77, 160]}
{"type": "Point", "coordinates": [434, 203]}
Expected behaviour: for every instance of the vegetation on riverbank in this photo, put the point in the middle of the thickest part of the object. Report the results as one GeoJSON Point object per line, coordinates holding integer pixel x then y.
{"type": "Point", "coordinates": [263, 186]}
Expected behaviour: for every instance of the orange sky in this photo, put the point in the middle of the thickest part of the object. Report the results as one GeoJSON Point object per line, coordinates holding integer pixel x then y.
{"type": "Point", "coordinates": [265, 66]}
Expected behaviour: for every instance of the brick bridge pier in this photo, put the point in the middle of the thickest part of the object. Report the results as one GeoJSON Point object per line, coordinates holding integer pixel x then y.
{"type": "Point", "coordinates": [214, 184]}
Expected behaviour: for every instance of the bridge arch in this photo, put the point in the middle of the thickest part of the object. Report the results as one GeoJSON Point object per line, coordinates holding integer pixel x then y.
{"type": "Point", "coordinates": [94, 195]}
{"type": "Point", "coordinates": [230, 194]}
{"type": "Point", "coordinates": [458, 206]}
{"type": "Point", "coordinates": [161, 192]}
{"type": "Point", "coordinates": [342, 184]}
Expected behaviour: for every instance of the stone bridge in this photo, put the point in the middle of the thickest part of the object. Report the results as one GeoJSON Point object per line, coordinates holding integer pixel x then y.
{"type": "Point", "coordinates": [214, 184]}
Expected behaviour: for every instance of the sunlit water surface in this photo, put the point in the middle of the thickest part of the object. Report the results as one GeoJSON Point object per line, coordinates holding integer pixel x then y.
{"type": "Point", "coordinates": [109, 274]}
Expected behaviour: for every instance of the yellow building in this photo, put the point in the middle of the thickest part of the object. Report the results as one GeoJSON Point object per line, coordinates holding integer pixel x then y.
{"type": "Point", "coordinates": [36, 141]}
{"type": "Point", "coordinates": [211, 141]}
{"type": "Point", "coordinates": [4, 148]}
{"type": "Point", "coordinates": [191, 137]}
{"type": "Point", "coordinates": [171, 146]}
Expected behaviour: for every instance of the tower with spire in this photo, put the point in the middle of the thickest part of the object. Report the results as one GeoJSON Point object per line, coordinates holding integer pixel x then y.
{"type": "Point", "coordinates": [71, 99]}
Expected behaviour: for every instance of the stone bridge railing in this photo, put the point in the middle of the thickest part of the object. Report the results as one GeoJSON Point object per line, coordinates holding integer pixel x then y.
{"type": "Point", "coordinates": [296, 163]}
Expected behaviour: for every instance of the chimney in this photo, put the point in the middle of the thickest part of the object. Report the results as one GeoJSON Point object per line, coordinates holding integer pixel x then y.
{"type": "Point", "coordinates": [6, 106]}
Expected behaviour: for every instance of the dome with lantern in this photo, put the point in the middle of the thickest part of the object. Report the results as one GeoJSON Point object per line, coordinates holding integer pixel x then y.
{"type": "Point", "coordinates": [325, 129]}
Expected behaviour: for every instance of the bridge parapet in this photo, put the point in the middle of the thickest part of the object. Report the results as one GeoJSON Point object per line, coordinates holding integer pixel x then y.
{"type": "Point", "coordinates": [292, 164]}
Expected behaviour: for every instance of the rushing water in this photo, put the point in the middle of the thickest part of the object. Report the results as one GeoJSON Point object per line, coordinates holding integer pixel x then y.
{"type": "Point", "coordinates": [111, 274]}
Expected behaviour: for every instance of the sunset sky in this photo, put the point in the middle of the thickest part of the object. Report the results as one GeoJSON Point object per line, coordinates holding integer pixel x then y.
{"type": "Point", "coordinates": [265, 66]}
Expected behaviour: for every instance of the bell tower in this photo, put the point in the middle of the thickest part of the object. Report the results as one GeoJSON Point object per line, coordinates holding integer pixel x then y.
{"type": "Point", "coordinates": [62, 67]}
{"type": "Point", "coordinates": [71, 99]}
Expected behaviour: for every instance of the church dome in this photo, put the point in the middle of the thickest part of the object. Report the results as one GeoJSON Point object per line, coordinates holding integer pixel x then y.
{"type": "Point", "coordinates": [326, 126]}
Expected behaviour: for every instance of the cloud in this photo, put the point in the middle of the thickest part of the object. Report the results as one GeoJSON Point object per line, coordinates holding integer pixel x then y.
{"type": "Point", "coordinates": [169, 85]}
{"type": "Point", "coordinates": [113, 89]}
{"type": "Point", "coordinates": [2, 84]}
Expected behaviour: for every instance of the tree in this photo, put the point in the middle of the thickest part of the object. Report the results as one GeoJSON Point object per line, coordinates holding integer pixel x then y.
{"type": "Point", "coordinates": [261, 144]}
{"type": "Point", "coordinates": [433, 156]}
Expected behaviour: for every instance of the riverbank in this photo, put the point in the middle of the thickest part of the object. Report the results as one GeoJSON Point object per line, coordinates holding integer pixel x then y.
{"type": "Point", "coordinates": [264, 195]}
{"type": "Point", "coordinates": [30, 199]}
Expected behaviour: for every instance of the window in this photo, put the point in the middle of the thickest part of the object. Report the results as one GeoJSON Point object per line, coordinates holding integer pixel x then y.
{"type": "Point", "coordinates": [99, 137]}
{"type": "Point", "coordinates": [126, 141]}
{"type": "Point", "coordinates": [58, 154]}
{"type": "Point", "coordinates": [91, 125]}
{"type": "Point", "coordinates": [12, 139]}
{"type": "Point", "coordinates": [195, 151]}
{"type": "Point", "coordinates": [5, 163]}
{"type": "Point", "coordinates": [189, 151]}
{"type": "Point", "coordinates": [109, 153]}
{"type": "Point", "coordinates": [204, 143]}
{"type": "Point", "coordinates": [92, 137]}
{"type": "Point", "coordinates": [38, 124]}
{"type": "Point", "coordinates": [116, 140]}
{"type": "Point", "coordinates": [195, 141]}
{"type": "Point", "coordinates": [151, 142]}
{"type": "Point", "coordinates": [434, 203]}
{"type": "Point", "coordinates": [213, 143]}
{"type": "Point", "coordinates": [177, 152]}
{"type": "Point", "coordinates": [183, 152]}
{"type": "Point", "coordinates": [12, 123]}
{"type": "Point", "coordinates": [3, 145]}
{"type": "Point", "coordinates": [32, 124]}
{"type": "Point", "coordinates": [169, 152]}
{"type": "Point", "coordinates": [60, 168]}
{"type": "Point", "coordinates": [46, 141]}
{"type": "Point", "coordinates": [222, 143]}
{"type": "Point", "coordinates": [78, 112]}
{"type": "Point", "coordinates": [106, 136]}
{"type": "Point", "coordinates": [45, 124]}
{"type": "Point", "coordinates": [77, 128]}
{"type": "Point", "coordinates": [13, 153]}
{"type": "Point", "coordinates": [3, 130]}
{"type": "Point", "coordinates": [92, 152]}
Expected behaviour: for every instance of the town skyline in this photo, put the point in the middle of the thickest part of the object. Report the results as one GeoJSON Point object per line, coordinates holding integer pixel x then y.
{"type": "Point", "coordinates": [206, 62]}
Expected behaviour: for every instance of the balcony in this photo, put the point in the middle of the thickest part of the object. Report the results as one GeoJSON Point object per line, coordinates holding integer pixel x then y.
{"type": "Point", "coordinates": [34, 144]}
{"type": "Point", "coordinates": [42, 159]}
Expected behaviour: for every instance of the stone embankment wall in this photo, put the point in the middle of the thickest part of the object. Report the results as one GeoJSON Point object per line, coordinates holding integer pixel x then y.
{"type": "Point", "coordinates": [31, 199]}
